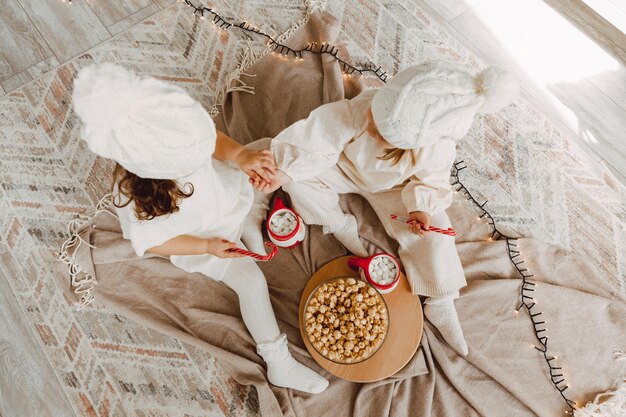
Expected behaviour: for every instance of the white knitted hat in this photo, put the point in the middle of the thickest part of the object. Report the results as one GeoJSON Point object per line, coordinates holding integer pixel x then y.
{"type": "Point", "coordinates": [433, 101]}
{"type": "Point", "coordinates": [151, 128]}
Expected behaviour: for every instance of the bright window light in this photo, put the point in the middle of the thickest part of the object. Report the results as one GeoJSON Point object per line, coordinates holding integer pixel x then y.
{"type": "Point", "coordinates": [545, 44]}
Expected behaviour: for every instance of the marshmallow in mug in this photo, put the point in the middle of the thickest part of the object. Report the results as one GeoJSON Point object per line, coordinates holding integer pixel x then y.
{"type": "Point", "coordinates": [283, 223]}
{"type": "Point", "coordinates": [383, 270]}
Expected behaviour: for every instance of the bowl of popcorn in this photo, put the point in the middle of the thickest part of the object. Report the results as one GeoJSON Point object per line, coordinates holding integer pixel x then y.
{"type": "Point", "coordinates": [381, 270]}
{"type": "Point", "coordinates": [285, 228]}
{"type": "Point", "coordinates": [346, 320]}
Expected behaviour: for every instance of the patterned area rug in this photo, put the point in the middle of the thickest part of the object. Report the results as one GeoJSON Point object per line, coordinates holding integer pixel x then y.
{"type": "Point", "coordinates": [537, 181]}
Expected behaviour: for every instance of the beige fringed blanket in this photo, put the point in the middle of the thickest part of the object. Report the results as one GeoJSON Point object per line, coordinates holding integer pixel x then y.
{"type": "Point", "coordinates": [502, 375]}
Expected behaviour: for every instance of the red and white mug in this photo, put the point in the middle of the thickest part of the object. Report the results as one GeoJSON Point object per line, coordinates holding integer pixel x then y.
{"type": "Point", "coordinates": [284, 227]}
{"type": "Point", "coordinates": [381, 270]}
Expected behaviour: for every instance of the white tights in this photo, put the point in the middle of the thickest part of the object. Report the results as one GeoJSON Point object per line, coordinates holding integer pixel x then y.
{"type": "Point", "coordinates": [247, 280]}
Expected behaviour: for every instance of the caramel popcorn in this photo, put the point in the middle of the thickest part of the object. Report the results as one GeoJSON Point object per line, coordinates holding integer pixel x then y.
{"type": "Point", "coordinates": [346, 320]}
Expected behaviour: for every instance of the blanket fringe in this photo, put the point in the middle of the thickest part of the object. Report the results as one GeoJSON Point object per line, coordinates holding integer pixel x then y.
{"type": "Point", "coordinates": [606, 404]}
{"type": "Point", "coordinates": [82, 286]}
{"type": "Point", "coordinates": [609, 403]}
{"type": "Point", "coordinates": [314, 6]}
{"type": "Point", "coordinates": [234, 82]}
{"type": "Point", "coordinates": [247, 58]}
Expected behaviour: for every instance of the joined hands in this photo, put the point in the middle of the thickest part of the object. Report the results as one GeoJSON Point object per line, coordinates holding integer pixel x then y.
{"type": "Point", "coordinates": [260, 166]}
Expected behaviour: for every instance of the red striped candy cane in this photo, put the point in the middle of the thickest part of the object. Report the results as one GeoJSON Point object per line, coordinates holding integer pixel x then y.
{"type": "Point", "coordinates": [257, 256]}
{"type": "Point", "coordinates": [449, 231]}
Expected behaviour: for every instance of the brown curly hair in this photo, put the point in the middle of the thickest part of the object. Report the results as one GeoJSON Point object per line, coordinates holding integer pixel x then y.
{"type": "Point", "coordinates": [152, 197]}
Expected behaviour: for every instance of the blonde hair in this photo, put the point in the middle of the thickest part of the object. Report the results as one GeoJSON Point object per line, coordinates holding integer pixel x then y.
{"type": "Point", "coordinates": [394, 154]}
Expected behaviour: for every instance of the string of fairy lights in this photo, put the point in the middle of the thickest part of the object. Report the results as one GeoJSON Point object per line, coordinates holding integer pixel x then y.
{"type": "Point", "coordinates": [527, 287]}
{"type": "Point", "coordinates": [281, 49]}
{"type": "Point", "coordinates": [314, 48]}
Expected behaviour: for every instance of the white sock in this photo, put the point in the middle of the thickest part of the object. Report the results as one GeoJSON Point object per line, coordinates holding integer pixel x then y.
{"type": "Point", "coordinates": [252, 235]}
{"type": "Point", "coordinates": [348, 236]}
{"type": "Point", "coordinates": [440, 311]}
{"type": "Point", "coordinates": [284, 371]}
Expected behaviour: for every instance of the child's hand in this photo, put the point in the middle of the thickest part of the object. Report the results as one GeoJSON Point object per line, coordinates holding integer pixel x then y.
{"type": "Point", "coordinates": [221, 248]}
{"type": "Point", "coordinates": [278, 180]}
{"type": "Point", "coordinates": [258, 165]}
{"type": "Point", "coordinates": [420, 224]}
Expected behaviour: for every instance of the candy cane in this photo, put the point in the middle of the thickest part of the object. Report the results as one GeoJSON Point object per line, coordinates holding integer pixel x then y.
{"type": "Point", "coordinates": [449, 231]}
{"type": "Point", "coordinates": [256, 255]}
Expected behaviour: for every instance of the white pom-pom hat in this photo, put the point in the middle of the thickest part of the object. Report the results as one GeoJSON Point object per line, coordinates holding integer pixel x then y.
{"type": "Point", "coordinates": [434, 101]}
{"type": "Point", "coordinates": [151, 128]}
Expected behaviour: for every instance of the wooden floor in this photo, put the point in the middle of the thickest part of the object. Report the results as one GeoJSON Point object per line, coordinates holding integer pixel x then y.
{"type": "Point", "coordinates": [38, 35]}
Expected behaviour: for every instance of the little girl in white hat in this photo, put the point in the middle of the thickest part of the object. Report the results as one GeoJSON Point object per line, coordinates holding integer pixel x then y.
{"type": "Point", "coordinates": [395, 146]}
{"type": "Point", "coordinates": [177, 193]}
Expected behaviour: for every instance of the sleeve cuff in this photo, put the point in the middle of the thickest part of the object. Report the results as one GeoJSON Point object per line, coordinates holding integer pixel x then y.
{"type": "Point", "coordinates": [414, 207]}
{"type": "Point", "coordinates": [427, 201]}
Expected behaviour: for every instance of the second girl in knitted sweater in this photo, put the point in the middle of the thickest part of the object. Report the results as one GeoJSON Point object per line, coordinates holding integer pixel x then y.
{"type": "Point", "coordinates": [395, 146]}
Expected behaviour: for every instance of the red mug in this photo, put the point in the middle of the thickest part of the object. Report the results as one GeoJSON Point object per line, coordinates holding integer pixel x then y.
{"type": "Point", "coordinates": [377, 270]}
{"type": "Point", "coordinates": [290, 238]}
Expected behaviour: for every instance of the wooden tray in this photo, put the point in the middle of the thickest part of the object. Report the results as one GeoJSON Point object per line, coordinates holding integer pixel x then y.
{"type": "Point", "coordinates": [406, 323]}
